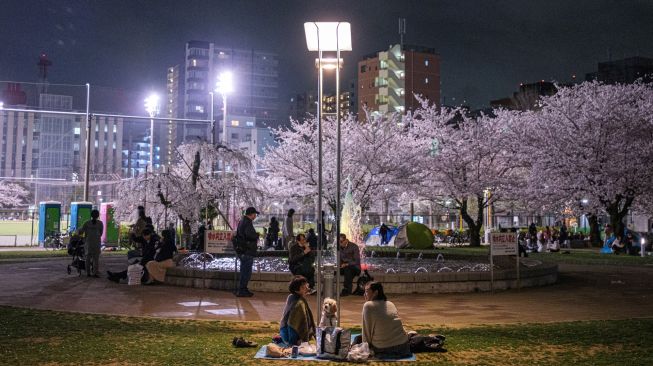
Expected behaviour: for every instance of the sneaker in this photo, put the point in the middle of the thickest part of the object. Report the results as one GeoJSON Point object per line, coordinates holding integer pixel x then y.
{"type": "Point", "coordinates": [244, 294]}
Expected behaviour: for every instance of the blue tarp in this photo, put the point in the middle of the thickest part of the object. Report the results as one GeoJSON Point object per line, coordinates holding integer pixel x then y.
{"type": "Point", "coordinates": [373, 237]}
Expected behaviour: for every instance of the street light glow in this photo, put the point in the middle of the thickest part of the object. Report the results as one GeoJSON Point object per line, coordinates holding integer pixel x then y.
{"type": "Point", "coordinates": [152, 105]}
{"type": "Point", "coordinates": [2, 105]}
{"type": "Point", "coordinates": [225, 84]}
{"type": "Point", "coordinates": [328, 63]}
{"type": "Point", "coordinates": [328, 36]}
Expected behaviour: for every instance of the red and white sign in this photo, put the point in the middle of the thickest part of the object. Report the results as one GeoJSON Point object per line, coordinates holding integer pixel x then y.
{"type": "Point", "coordinates": [218, 241]}
{"type": "Point", "coordinates": [503, 244]}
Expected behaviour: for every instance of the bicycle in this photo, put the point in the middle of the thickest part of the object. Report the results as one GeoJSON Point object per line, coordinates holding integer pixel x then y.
{"type": "Point", "coordinates": [54, 241]}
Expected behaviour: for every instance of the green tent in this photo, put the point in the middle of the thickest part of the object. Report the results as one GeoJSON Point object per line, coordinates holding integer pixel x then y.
{"type": "Point", "coordinates": [413, 235]}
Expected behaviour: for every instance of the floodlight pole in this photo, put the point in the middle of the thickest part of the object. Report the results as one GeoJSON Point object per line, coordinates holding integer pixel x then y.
{"type": "Point", "coordinates": [87, 153]}
{"type": "Point", "coordinates": [212, 124]}
{"type": "Point", "coordinates": [320, 238]}
{"type": "Point", "coordinates": [338, 171]}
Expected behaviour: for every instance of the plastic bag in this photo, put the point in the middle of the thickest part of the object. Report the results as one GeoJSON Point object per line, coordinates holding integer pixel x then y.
{"type": "Point", "coordinates": [359, 352]}
{"type": "Point", "coordinates": [307, 349]}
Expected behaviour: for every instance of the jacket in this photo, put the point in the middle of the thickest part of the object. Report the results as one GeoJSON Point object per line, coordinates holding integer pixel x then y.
{"type": "Point", "coordinates": [248, 234]}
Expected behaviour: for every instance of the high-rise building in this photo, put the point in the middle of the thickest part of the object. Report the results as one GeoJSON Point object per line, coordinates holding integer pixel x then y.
{"type": "Point", "coordinates": [388, 80]}
{"type": "Point", "coordinates": [302, 105]}
{"type": "Point", "coordinates": [136, 155]}
{"type": "Point", "coordinates": [624, 71]}
{"type": "Point", "coordinates": [51, 147]}
{"type": "Point", "coordinates": [255, 85]}
{"type": "Point", "coordinates": [168, 134]}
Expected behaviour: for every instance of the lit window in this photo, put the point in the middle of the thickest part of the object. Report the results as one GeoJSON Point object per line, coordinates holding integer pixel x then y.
{"type": "Point", "coordinates": [250, 123]}
{"type": "Point", "coordinates": [76, 130]}
{"type": "Point", "coordinates": [426, 62]}
{"type": "Point", "coordinates": [114, 129]}
{"type": "Point", "coordinates": [426, 80]}
{"type": "Point", "coordinates": [235, 123]}
{"type": "Point", "coordinates": [194, 62]}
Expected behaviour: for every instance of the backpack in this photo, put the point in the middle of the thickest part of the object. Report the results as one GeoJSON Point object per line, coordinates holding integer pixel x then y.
{"type": "Point", "coordinates": [362, 281]}
{"type": "Point", "coordinates": [333, 343]}
{"type": "Point", "coordinates": [430, 343]}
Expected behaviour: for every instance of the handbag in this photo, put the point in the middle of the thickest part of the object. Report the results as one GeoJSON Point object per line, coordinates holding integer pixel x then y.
{"type": "Point", "coordinates": [333, 343]}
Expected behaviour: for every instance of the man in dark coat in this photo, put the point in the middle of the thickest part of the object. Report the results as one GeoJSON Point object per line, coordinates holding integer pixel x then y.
{"type": "Point", "coordinates": [246, 250]}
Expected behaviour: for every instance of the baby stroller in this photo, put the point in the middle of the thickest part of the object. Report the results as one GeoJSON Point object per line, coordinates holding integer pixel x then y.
{"type": "Point", "coordinates": [76, 250]}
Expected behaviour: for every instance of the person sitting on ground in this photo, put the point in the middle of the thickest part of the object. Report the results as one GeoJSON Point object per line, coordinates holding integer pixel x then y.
{"type": "Point", "coordinates": [297, 324]}
{"type": "Point", "coordinates": [350, 263]}
{"type": "Point", "coordinates": [382, 327]}
{"type": "Point", "coordinates": [300, 260]}
{"type": "Point", "coordinates": [617, 245]}
{"type": "Point", "coordinates": [164, 251]}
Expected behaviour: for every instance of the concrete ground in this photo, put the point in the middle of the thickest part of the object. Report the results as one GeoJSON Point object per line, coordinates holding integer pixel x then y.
{"type": "Point", "coordinates": [582, 293]}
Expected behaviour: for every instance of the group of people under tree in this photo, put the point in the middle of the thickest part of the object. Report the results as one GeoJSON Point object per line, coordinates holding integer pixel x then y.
{"type": "Point", "coordinates": [382, 328]}
{"type": "Point", "coordinates": [156, 252]}
{"type": "Point", "coordinates": [301, 254]}
{"type": "Point", "coordinates": [285, 241]}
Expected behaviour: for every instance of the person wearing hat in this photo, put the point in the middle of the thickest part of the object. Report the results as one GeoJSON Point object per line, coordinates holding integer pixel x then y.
{"type": "Point", "coordinates": [247, 239]}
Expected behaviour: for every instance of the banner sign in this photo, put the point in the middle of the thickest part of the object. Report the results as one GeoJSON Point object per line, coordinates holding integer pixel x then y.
{"type": "Point", "coordinates": [218, 241]}
{"type": "Point", "coordinates": [503, 244]}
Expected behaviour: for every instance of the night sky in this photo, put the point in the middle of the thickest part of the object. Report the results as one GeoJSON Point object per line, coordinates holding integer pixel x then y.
{"type": "Point", "coordinates": [487, 47]}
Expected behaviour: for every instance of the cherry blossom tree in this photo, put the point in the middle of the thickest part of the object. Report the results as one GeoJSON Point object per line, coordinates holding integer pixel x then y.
{"type": "Point", "coordinates": [12, 195]}
{"type": "Point", "coordinates": [190, 186]}
{"type": "Point", "coordinates": [591, 148]}
{"type": "Point", "coordinates": [465, 159]}
{"type": "Point", "coordinates": [370, 160]}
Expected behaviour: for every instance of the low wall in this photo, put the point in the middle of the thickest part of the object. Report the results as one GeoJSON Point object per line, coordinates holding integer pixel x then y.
{"type": "Point", "coordinates": [399, 283]}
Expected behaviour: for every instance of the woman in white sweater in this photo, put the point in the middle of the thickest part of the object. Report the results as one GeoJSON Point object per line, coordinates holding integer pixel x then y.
{"type": "Point", "coordinates": [382, 328]}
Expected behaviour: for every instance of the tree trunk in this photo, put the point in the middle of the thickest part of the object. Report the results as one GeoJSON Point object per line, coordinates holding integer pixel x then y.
{"type": "Point", "coordinates": [474, 226]}
{"type": "Point", "coordinates": [618, 213]}
{"type": "Point", "coordinates": [595, 232]}
{"type": "Point", "coordinates": [186, 233]}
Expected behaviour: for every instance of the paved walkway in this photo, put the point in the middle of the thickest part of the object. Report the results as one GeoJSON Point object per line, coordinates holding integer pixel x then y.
{"type": "Point", "coordinates": [583, 293]}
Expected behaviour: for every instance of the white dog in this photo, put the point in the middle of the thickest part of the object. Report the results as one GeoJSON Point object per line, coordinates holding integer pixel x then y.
{"type": "Point", "coordinates": [329, 313]}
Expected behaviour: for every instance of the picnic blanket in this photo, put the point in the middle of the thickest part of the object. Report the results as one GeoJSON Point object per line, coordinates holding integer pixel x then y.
{"type": "Point", "coordinates": [261, 354]}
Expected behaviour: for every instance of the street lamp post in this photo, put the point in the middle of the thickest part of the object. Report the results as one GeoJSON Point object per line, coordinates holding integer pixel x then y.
{"type": "Point", "coordinates": [152, 108]}
{"type": "Point", "coordinates": [328, 37]}
{"type": "Point", "coordinates": [224, 87]}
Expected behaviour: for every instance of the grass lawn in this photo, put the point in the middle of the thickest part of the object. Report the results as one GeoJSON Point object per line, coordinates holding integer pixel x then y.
{"type": "Point", "coordinates": [34, 337]}
{"type": "Point", "coordinates": [18, 227]}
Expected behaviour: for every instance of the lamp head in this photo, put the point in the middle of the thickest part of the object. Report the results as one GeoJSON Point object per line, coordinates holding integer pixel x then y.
{"type": "Point", "coordinates": [328, 36]}
{"type": "Point", "coordinates": [225, 84]}
{"type": "Point", "coordinates": [152, 105]}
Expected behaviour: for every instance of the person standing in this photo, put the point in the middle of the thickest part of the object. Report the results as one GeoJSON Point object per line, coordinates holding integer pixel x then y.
{"type": "Point", "coordinates": [311, 237]}
{"type": "Point", "coordinates": [532, 233]}
{"type": "Point", "coordinates": [92, 230]}
{"type": "Point", "coordinates": [383, 233]}
{"type": "Point", "coordinates": [300, 260]}
{"type": "Point", "coordinates": [288, 231]}
{"type": "Point", "coordinates": [247, 239]}
{"type": "Point", "coordinates": [273, 233]}
{"type": "Point", "coordinates": [350, 263]}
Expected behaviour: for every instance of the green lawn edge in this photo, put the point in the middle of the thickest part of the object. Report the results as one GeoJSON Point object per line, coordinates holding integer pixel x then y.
{"type": "Point", "coordinates": [40, 337]}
